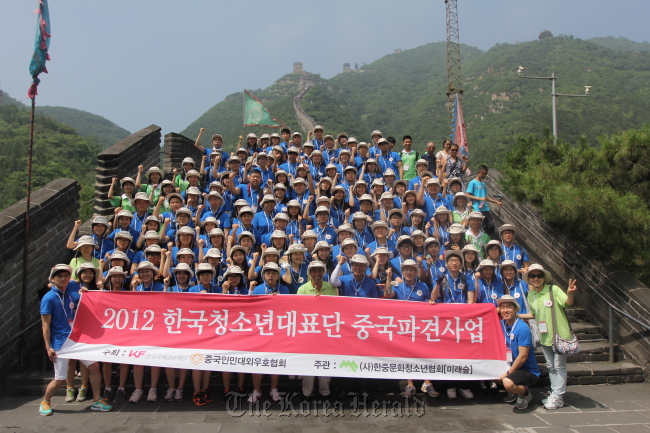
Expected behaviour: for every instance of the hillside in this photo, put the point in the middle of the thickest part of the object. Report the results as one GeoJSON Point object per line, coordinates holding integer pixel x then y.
{"type": "Point", "coordinates": [404, 93]}
{"type": "Point", "coordinates": [621, 43]}
{"type": "Point", "coordinates": [86, 124]}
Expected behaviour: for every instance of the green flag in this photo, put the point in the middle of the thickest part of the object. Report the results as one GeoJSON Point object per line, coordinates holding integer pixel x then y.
{"type": "Point", "coordinates": [256, 114]}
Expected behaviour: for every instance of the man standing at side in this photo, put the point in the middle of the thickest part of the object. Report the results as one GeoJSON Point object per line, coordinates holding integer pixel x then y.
{"type": "Point", "coordinates": [520, 354]}
{"type": "Point", "coordinates": [477, 192]}
{"type": "Point", "coordinates": [58, 308]}
{"type": "Point", "coordinates": [408, 157]}
{"type": "Point", "coordinates": [430, 157]}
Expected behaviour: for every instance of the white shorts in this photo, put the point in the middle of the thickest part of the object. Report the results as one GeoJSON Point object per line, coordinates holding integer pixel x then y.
{"type": "Point", "coordinates": [61, 367]}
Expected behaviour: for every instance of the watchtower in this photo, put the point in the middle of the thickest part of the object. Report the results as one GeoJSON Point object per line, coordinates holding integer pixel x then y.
{"type": "Point", "coordinates": [297, 68]}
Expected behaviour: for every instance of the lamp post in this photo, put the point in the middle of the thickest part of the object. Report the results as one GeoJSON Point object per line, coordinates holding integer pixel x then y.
{"type": "Point", "coordinates": [554, 95]}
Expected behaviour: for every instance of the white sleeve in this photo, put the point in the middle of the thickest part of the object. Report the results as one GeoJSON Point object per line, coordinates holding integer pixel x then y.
{"type": "Point", "coordinates": [334, 278]}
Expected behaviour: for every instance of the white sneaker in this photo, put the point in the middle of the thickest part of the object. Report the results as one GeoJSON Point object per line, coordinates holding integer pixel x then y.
{"type": "Point", "coordinates": [254, 397]}
{"type": "Point", "coordinates": [153, 395]}
{"type": "Point", "coordinates": [451, 393]}
{"type": "Point", "coordinates": [275, 395]}
{"type": "Point", "coordinates": [178, 395]}
{"type": "Point", "coordinates": [428, 388]}
{"type": "Point", "coordinates": [409, 391]}
{"type": "Point", "coordinates": [169, 396]}
{"type": "Point", "coordinates": [467, 393]}
{"type": "Point", "coordinates": [136, 396]}
{"type": "Point", "coordinates": [554, 402]}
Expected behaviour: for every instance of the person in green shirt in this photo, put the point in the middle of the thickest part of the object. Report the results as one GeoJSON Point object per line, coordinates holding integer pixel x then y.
{"type": "Point", "coordinates": [475, 234]}
{"type": "Point", "coordinates": [316, 286]}
{"type": "Point", "coordinates": [541, 305]}
{"type": "Point", "coordinates": [154, 178]}
{"type": "Point", "coordinates": [124, 201]}
{"type": "Point", "coordinates": [409, 157]}
{"type": "Point", "coordinates": [84, 253]}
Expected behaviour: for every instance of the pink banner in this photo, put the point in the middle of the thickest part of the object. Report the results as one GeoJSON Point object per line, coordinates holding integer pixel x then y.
{"type": "Point", "coordinates": [290, 334]}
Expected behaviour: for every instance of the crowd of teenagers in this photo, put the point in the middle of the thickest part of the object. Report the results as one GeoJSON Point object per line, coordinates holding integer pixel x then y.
{"type": "Point", "coordinates": [328, 216]}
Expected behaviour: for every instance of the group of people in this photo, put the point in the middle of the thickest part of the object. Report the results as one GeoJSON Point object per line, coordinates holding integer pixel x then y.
{"type": "Point", "coordinates": [330, 216]}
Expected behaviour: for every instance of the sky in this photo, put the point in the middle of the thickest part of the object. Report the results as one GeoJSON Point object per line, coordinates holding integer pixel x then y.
{"type": "Point", "coordinates": [138, 62]}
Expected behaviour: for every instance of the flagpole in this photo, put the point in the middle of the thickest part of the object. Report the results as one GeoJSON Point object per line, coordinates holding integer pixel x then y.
{"type": "Point", "coordinates": [243, 129]}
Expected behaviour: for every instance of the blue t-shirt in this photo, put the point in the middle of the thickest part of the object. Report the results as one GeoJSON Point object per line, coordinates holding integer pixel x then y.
{"type": "Point", "coordinates": [520, 291]}
{"type": "Point", "coordinates": [519, 336]}
{"type": "Point", "coordinates": [515, 253]}
{"type": "Point", "coordinates": [264, 289]}
{"type": "Point", "coordinates": [367, 288]}
{"type": "Point", "coordinates": [489, 293]}
{"type": "Point", "coordinates": [417, 292]}
{"type": "Point", "coordinates": [478, 189]}
{"type": "Point", "coordinates": [61, 306]}
{"type": "Point", "coordinates": [153, 287]}
{"type": "Point", "coordinates": [297, 278]}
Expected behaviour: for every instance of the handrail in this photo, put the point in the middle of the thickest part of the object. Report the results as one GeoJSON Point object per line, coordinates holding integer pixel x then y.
{"type": "Point", "coordinates": [15, 337]}
{"type": "Point", "coordinates": [611, 306]}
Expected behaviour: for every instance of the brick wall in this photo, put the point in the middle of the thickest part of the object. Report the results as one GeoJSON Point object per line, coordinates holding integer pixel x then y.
{"type": "Point", "coordinates": [567, 258]}
{"type": "Point", "coordinates": [178, 146]}
{"type": "Point", "coordinates": [54, 208]}
{"type": "Point", "coordinates": [122, 159]}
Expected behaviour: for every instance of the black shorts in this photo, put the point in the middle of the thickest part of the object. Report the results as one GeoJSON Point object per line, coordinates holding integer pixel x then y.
{"type": "Point", "coordinates": [522, 377]}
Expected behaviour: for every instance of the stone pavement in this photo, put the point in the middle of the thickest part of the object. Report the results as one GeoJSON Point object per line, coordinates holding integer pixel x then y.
{"type": "Point", "coordinates": [596, 408]}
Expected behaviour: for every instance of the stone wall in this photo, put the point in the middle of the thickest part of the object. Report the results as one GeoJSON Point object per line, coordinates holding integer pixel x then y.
{"type": "Point", "coordinates": [54, 208]}
{"type": "Point", "coordinates": [122, 159]}
{"type": "Point", "coordinates": [596, 276]}
{"type": "Point", "coordinates": [178, 146]}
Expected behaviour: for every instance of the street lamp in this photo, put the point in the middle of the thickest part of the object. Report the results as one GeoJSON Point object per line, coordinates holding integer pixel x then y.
{"type": "Point", "coordinates": [554, 95]}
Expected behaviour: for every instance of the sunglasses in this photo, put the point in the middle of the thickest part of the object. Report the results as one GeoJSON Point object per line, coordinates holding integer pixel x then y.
{"type": "Point", "coordinates": [536, 276]}
{"type": "Point", "coordinates": [454, 150]}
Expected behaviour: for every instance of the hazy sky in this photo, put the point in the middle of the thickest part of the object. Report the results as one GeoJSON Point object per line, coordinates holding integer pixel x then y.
{"type": "Point", "coordinates": [138, 62]}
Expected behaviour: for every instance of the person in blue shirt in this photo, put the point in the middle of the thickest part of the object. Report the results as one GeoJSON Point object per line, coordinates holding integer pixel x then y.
{"type": "Point", "coordinates": [263, 220]}
{"type": "Point", "coordinates": [357, 284]}
{"type": "Point", "coordinates": [124, 218]}
{"type": "Point", "coordinates": [147, 273]}
{"type": "Point", "coordinates": [477, 191]}
{"type": "Point", "coordinates": [291, 166]}
{"type": "Point", "coordinates": [514, 285]}
{"type": "Point", "coordinates": [182, 275]}
{"type": "Point", "coordinates": [294, 270]}
{"type": "Point", "coordinates": [380, 233]}
{"type": "Point", "coordinates": [387, 159]}
{"type": "Point", "coordinates": [520, 354]}
{"type": "Point", "coordinates": [324, 231]}
{"type": "Point", "coordinates": [58, 308]}
{"type": "Point", "coordinates": [488, 286]}
{"type": "Point", "coordinates": [512, 250]}
{"type": "Point", "coordinates": [404, 252]}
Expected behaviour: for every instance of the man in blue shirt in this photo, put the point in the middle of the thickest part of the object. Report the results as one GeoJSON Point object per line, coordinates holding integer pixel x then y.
{"type": "Point", "coordinates": [520, 354]}
{"type": "Point", "coordinates": [357, 284]}
{"type": "Point", "coordinates": [511, 250]}
{"type": "Point", "coordinates": [477, 191]}
{"type": "Point", "coordinates": [410, 289]}
{"type": "Point", "coordinates": [387, 159]}
{"type": "Point", "coordinates": [58, 308]}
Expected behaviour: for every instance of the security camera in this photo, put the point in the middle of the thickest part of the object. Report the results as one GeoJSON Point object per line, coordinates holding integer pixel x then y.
{"type": "Point", "coordinates": [587, 89]}
{"type": "Point", "coordinates": [521, 69]}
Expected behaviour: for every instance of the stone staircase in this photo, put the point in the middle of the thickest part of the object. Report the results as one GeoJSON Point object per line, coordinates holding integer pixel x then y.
{"type": "Point", "coordinates": [592, 366]}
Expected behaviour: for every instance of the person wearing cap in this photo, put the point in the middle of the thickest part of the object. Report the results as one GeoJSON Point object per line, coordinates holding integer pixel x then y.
{"type": "Point", "coordinates": [380, 233]}
{"type": "Point", "coordinates": [263, 166]}
{"type": "Point", "coordinates": [216, 209]}
{"type": "Point", "coordinates": [281, 198]}
{"type": "Point", "coordinates": [344, 160]}
{"type": "Point", "coordinates": [321, 224]}
{"type": "Point", "coordinates": [454, 186]}
{"type": "Point", "coordinates": [475, 233]}
{"type": "Point", "coordinates": [456, 238]}
{"type": "Point", "coordinates": [460, 209]}
{"type": "Point", "coordinates": [268, 255]}
{"type": "Point", "coordinates": [395, 224]}
{"type": "Point", "coordinates": [84, 253]}
{"type": "Point", "coordinates": [512, 250]}
{"type": "Point", "coordinates": [192, 179]}
{"type": "Point", "coordinates": [360, 155]}
{"type": "Point", "coordinates": [275, 141]}
{"type": "Point", "coordinates": [193, 200]}
{"type": "Point", "coordinates": [343, 141]}
{"type": "Point", "coordinates": [252, 143]}
{"type": "Point", "coordinates": [141, 203]}
{"type": "Point", "coordinates": [370, 171]}
{"type": "Point", "coordinates": [421, 167]}
{"type": "Point", "coordinates": [514, 285]}
{"type": "Point", "coordinates": [309, 241]}
{"type": "Point", "coordinates": [150, 238]}
{"type": "Point", "coordinates": [412, 200]}
{"type": "Point", "coordinates": [377, 188]}
{"type": "Point", "coordinates": [245, 224]}
{"type": "Point", "coordinates": [317, 165]}
{"type": "Point", "coordinates": [300, 192]}
{"type": "Point", "coordinates": [217, 144]}
{"type": "Point", "coordinates": [181, 218]}
{"type": "Point", "coordinates": [470, 263]}
{"type": "Point", "coordinates": [185, 238]}
{"type": "Point", "coordinates": [433, 263]}
{"type": "Point", "coordinates": [122, 246]}
{"type": "Point", "coordinates": [291, 166]}
{"type": "Point", "coordinates": [386, 205]}
{"type": "Point", "coordinates": [280, 223]}
{"type": "Point", "coordinates": [494, 251]}
{"type": "Point", "coordinates": [263, 220]}
{"type": "Point", "coordinates": [356, 284]}
{"type": "Point", "coordinates": [416, 218]}
{"type": "Point", "coordinates": [154, 177]}
{"type": "Point", "coordinates": [387, 159]}
{"type": "Point", "coordinates": [375, 136]}
{"type": "Point", "coordinates": [347, 249]}
{"type": "Point", "coordinates": [433, 198]}
{"type": "Point", "coordinates": [330, 152]}
{"type": "Point", "coordinates": [294, 271]}
{"type": "Point", "coordinates": [362, 234]}
{"type": "Point", "coordinates": [488, 286]}
{"type": "Point", "coordinates": [543, 296]}
{"type": "Point", "coordinates": [125, 200]}
{"type": "Point", "coordinates": [409, 158]}
{"type": "Point", "coordinates": [100, 229]}
{"type": "Point", "coordinates": [404, 252]}
{"type": "Point", "coordinates": [442, 220]}
{"type": "Point", "coordinates": [523, 371]}
{"type": "Point", "coordinates": [477, 192]}
{"type": "Point", "coordinates": [58, 308]}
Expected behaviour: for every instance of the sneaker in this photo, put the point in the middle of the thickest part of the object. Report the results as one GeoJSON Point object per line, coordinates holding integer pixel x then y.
{"type": "Point", "coordinates": [428, 389]}
{"type": "Point", "coordinates": [81, 396]}
{"type": "Point", "coordinates": [494, 389]}
{"type": "Point", "coordinates": [254, 397]}
{"type": "Point", "coordinates": [108, 393]}
{"type": "Point", "coordinates": [523, 400]}
{"type": "Point", "coordinates": [136, 396]}
{"type": "Point", "coordinates": [466, 393]}
{"type": "Point", "coordinates": [226, 396]}
{"type": "Point", "coordinates": [553, 402]}
{"type": "Point", "coordinates": [409, 391]}
{"type": "Point", "coordinates": [275, 395]}
{"type": "Point", "coordinates": [198, 399]}
{"type": "Point", "coordinates": [451, 393]}
{"type": "Point", "coordinates": [101, 405]}
{"type": "Point", "coordinates": [178, 395]}
{"type": "Point", "coordinates": [45, 409]}
{"type": "Point", "coordinates": [119, 396]}
{"type": "Point", "coordinates": [207, 397]}
{"type": "Point", "coordinates": [548, 395]}
{"type": "Point", "coordinates": [484, 389]}
{"type": "Point", "coordinates": [169, 396]}
{"type": "Point", "coordinates": [510, 398]}
{"type": "Point", "coordinates": [69, 394]}
{"type": "Point", "coordinates": [153, 395]}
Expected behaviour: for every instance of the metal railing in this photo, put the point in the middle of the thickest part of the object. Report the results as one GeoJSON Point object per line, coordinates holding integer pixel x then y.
{"type": "Point", "coordinates": [610, 304]}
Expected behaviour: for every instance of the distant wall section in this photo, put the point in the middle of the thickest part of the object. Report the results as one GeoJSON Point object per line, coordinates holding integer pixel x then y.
{"type": "Point", "coordinates": [122, 159]}
{"type": "Point", "coordinates": [54, 208]}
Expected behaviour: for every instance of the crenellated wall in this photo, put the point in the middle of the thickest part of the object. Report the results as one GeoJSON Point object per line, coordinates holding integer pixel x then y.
{"type": "Point", "coordinates": [177, 147]}
{"type": "Point", "coordinates": [566, 258]}
{"type": "Point", "coordinates": [53, 210]}
{"type": "Point", "coordinates": [122, 159]}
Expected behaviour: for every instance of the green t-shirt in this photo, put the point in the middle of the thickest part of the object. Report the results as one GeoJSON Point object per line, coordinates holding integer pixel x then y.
{"type": "Point", "coordinates": [478, 241]}
{"type": "Point", "coordinates": [327, 289]}
{"type": "Point", "coordinates": [123, 202]}
{"type": "Point", "coordinates": [408, 164]}
{"type": "Point", "coordinates": [77, 261]}
{"type": "Point", "coordinates": [542, 313]}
